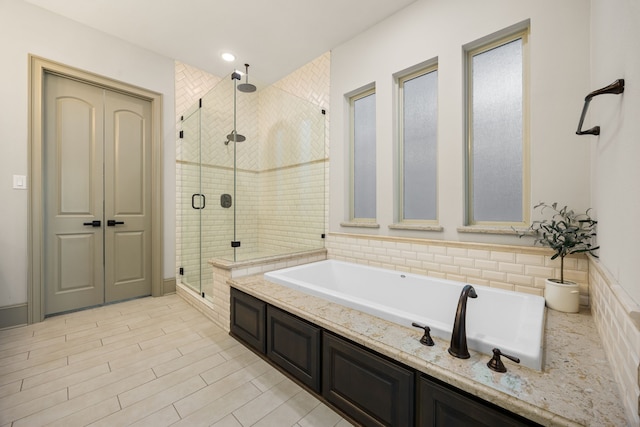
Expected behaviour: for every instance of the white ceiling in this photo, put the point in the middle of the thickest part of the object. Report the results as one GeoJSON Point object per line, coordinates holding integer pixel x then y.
{"type": "Point", "coordinates": [274, 36]}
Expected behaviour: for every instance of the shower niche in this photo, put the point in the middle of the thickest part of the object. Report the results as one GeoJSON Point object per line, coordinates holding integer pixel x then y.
{"type": "Point", "coordinates": [251, 178]}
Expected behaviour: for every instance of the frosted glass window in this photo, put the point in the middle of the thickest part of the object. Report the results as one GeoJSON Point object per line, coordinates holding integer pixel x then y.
{"type": "Point", "coordinates": [419, 146]}
{"type": "Point", "coordinates": [496, 149]}
{"type": "Point", "coordinates": [364, 156]}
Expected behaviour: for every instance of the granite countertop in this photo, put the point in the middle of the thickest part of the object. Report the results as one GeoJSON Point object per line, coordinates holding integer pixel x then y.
{"type": "Point", "coordinates": [576, 386]}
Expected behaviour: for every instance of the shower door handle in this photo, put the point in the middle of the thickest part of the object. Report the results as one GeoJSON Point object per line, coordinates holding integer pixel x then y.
{"type": "Point", "coordinates": [193, 201]}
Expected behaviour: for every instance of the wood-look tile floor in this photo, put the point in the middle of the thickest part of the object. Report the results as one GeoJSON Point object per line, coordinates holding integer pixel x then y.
{"type": "Point", "coordinates": [146, 362]}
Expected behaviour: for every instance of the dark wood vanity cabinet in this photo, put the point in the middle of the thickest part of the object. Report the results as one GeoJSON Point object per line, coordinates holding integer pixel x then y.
{"type": "Point", "coordinates": [248, 316]}
{"type": "Point", "coordinates": [439, 406]}
{"type": "Point", "coordinates": [294, 345]}
{"type": "Point", "coordinates": [365, 386]}
{"type": "Point", "coordinates": [369, 388]}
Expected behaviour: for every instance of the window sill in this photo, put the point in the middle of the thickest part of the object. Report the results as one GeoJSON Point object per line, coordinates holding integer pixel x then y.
{"type": "Point", "coordinates": [484, 229]}
{"type": "Point", "coordinates": [360, 224]}
{"type": "Point", "coordinates": [416, 227]}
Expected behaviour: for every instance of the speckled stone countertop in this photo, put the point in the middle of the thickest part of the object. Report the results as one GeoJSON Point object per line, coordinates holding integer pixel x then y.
{"type": "Point", "coordinates": [576, 386]}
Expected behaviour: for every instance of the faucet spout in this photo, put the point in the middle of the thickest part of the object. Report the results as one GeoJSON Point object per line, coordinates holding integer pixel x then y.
{"type": "Point", "coordinates": [458, 346]}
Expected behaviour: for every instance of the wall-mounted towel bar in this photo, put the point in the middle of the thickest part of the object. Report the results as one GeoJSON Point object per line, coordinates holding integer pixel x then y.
{"type": "Point", "coordinates": [615, 88]}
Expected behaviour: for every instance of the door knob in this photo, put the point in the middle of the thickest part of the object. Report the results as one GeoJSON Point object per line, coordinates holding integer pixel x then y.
{"type": "Point", "coordinates": [94, 223]}
{"type": "Point", "coordinates": [113, 222]}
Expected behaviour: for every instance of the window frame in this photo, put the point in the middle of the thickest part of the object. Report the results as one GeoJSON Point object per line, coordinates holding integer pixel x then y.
{"type": "Point", "coordinates": [352, 99]}
{"type": "Point", "coordinates": [526, 164]}
{"type": "Point", "coordinates": [432, 67]}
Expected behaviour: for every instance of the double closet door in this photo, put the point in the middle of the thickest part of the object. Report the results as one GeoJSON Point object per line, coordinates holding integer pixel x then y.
{"type": "Point", "coordinates": [97, 195]}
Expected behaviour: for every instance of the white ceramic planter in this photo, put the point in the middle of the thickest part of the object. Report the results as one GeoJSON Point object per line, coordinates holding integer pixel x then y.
{"type": "Point", "coordinates": [562, 296]}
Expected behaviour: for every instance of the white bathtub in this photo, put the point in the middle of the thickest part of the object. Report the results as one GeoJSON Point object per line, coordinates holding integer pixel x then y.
{"type": "Point", "coordinates": [510, 321]}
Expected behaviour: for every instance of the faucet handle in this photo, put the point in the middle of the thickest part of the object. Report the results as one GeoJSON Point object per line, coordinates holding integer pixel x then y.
{"type": "Point", "coordinates": [426, 338]}
{"type": "Point", "coordinates": [495, 364]}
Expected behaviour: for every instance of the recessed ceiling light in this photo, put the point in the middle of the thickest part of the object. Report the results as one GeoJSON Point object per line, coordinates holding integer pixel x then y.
{"type": "Point", "coordinates": [229, 57]}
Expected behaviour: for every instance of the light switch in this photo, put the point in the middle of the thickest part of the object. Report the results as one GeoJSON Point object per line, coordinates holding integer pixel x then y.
{"type": "Point", "coordinates": [19, 182]}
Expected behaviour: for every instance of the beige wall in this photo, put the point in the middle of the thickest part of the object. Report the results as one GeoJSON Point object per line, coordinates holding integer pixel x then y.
{"type": "Point", "coordinates": [615, 152]}
{"type": "Point", "coordinates": [438, 29]}
{"type": "Point", "coordinates": [615, 278]}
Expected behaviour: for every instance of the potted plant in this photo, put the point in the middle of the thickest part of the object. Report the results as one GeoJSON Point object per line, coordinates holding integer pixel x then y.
{"type": "Point", "coordinates": [565, 232]}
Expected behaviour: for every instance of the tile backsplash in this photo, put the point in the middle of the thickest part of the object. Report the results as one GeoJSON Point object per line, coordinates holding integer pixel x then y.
{"type": "Point", "coordinates": [514, 268]}
{"type": "Point", "coordinates": [617, 318]}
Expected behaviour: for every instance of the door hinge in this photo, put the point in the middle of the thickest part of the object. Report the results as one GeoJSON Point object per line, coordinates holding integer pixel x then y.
{"type": "Point", "coordinates": [181, 134]}
{"type": "Point", "coordinates": [235, 244]}
{"type": "Point", "coordinates": [181, 271]}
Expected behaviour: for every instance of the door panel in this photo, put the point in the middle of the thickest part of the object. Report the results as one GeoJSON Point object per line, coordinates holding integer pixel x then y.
{"type": "Point", "coordinates": [129, 141]}
{"type": "Point", "coordinates": [76, 150]}
{"type": "Point", "coordinates": [77, 251]}
{"type": "Point", "coordinates": [129, 250]}
{"type": "Point", "coordinates": [127, 197]}
{"type": "Point", "coordinates": [73, 160]}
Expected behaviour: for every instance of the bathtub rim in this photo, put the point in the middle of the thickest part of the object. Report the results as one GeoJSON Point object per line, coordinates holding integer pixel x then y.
{"type": "Point", "coordinates": [532, 356]}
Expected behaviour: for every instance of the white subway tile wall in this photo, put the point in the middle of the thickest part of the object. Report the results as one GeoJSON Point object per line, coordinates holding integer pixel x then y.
{"type": "Point", "coordinates": [617, 318]}
{"type": "Point", "coordinates": [515, 268]}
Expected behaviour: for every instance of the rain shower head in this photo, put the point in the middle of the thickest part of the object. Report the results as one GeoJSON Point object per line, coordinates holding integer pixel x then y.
{"type": "Point", "coordinates": [234, 136]}
{"type": "Point", "coordinates": [246, 87]}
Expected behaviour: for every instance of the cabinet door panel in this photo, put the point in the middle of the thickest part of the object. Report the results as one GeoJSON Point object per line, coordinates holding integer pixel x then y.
{"type": "Point", "coordinates": [369, 388]}
{"type": "Point", "coordinates": [248, 319]}
{"type": "Point", "coordinates": [439, 406]}
{"type": "Point", "coordinates": [294, 345]}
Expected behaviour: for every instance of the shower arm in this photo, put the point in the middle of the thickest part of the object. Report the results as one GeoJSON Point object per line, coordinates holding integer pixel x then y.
{"type": "Point", "coordinates": [615, 88]}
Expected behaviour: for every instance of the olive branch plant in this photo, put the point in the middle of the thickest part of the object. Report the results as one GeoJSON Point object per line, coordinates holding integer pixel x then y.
{"type": "Point", "coordinates": [565, 232]}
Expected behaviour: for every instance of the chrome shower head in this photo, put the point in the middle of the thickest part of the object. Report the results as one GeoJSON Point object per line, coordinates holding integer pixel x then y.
{"type": "Point", "coordinates": [246, 87]}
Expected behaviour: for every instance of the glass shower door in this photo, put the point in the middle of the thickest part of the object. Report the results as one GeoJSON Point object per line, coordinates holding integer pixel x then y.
{"type": "Point", "coordinates": [217, 176]}
{"type": "Point", "coordinates": [205, 169]}
{"type": "Point", "coordinates": [192, 201]}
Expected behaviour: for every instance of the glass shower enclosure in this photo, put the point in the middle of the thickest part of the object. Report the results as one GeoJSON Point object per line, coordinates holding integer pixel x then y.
{"type": "Point", "coordinates": [259, 197]}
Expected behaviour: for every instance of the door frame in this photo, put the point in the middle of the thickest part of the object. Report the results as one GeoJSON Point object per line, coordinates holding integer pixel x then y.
{"type": "Point", "coordinates": [35, 241]}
